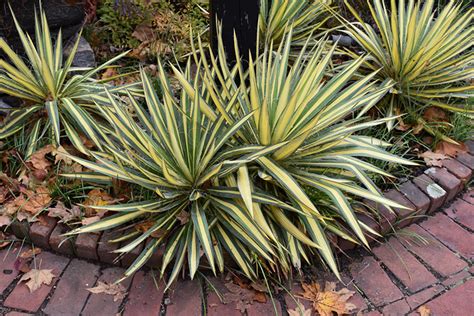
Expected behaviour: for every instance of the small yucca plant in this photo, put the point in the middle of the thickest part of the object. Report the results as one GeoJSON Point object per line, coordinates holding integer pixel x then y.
{"type": "Point", "coordinates": [306, 17]}
{"type": "Point", "coordinates": [427, 54]}
{"type": "Point", "coordinates": [55, 96]}
{"type": "Point", "coordinates": [237, 158]}
{"type": "Point", "coordinates": [308, 117]}
{"type": "Point", "coordinates": [179, 153]}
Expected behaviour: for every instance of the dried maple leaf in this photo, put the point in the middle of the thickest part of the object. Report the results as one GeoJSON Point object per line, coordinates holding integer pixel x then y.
{"type": "Point", "coordinates": [143, 33]}
{"type": "Point", "coordinates": [299, 311]}
{"type": "Point", "coordinates": [450, 149]}
{"type": "Point", "coordinates": [60, 154]}
{"type": "Point", "coordinates": [117, 290]}
{"type": "Point", "coordinates": [423, 310]}
{"type": "Point", "coordinates": [35, 201]}
{"type": "Point", "coordinates": [38, 159]}
{"type": "Point", "coordinates": [64, 213]}
{"type": "Point", "coordinates": [36, 277]}
{"type": "Point", "coordinates": [96, 197]}
{"type": "Point", "coordinates": [433, 159]}
{"type": "Point", "coordinates": [328, 301]}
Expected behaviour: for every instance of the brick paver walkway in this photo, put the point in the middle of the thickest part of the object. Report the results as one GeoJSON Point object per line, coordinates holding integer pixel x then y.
{"type": "Point", "coordinates": [401, 275]}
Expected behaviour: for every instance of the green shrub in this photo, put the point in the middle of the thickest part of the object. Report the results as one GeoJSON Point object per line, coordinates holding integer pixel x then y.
{"type": "Point", "coordinates": [428, 55]}
{"type": "Point", "coordinates": [54, 94]}
{"type": "Point", "coordinates": [149, 29]}
{"type": "Point", "coordinates": [229, 162]}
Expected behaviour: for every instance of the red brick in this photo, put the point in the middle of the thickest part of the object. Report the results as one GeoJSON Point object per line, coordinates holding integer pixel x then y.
{"type": "Point", "coordinates": [156, 259]}
{"type": "Point", "coordinates": [144, 297]}
{"type": "Point", "coordinates": [416, 196]}
{"type": "Point", "coordinates": [216, 306]}
{"type": "Point", "coordinates": [129, 257]}
{"type": "Point", "coordinates": [86, 246]}
{"type": "Point", "coordinates": [71, 291]}
{"type": "Point", "coordinates": [404, 216]}
{"type": "Point", "coordinates": [431, 252]}
{"type": "Point", "coordinates": [458, 169]}
{"type": "Point", "coordinates": [436, 193]}
{"type": "Point", "coordinates": [8, 273]}
{"type": "Point", "coordinates": [104, 304]}
{"type": "Point", "coordinates": [457, 279]}
{"type": "Point", "coordinates": [384, 216]}
{"type": "Point", "coordinates": [462, 212]}
{"type": "Point", "coordinates": [345, 245]}
{"type": "Point", "coordinates": [268, 308]}
{"type": "Point", "coordinates": [41, 231]}
{"type": "Point", "coordinates": [105, 248]}
{"type": "Point", "coordinates": [185, 299]}
{"type": "Point", "coordinates": [446, 180]}
{"type": "Point", "coordinates": [466, 159]}
{"type": "Point", "coordinates": [457, 301]}
{"type": "Point", "coordinates": [374, 282]}
{"type": "Point", "coordinates": [17, 314]}
{"type": "Point", "coordinates": [397, 308]}
{"type": "Point", "coordinates": [469, 196]}
{"type": "Point", "coordinates": [370, 222]}
{"type": "Point", "coordinates": [470, 146]}
{"type": "Point", "coordinates": [372, 313]}
{"type": "Point", "coordinates": [357, 298]}
{"type": "Point", "coordinates": [424, 296]}
{"type": "Point", "coordinates": [21, 297]}
{"type": "Point", "coordinates": [60, 243]}
{"type": "Point", "coordinates": [451, 234]}
{"type": "Point", "coordinates": [404, 265]}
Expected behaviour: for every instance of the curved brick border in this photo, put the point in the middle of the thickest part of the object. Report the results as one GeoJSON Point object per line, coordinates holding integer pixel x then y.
{"type": "Point", "coordinates": [424, 195]}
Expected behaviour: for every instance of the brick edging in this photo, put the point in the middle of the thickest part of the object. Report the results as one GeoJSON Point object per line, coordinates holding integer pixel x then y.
{"type": "Point", "coordinates": [423, 195]}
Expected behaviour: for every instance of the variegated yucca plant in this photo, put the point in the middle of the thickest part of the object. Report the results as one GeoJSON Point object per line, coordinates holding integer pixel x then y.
{"type": "Point", "coordinates": [55, 95]}
{"type": "Point", "coordinates": [428, 54]}
{"type": "Point", "coordinates": [306, 17]}
{"type": "Point", "coordinates": [237, 153]}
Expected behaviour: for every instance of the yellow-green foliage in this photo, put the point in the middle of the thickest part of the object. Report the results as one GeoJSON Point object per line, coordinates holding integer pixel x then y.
{"type": "Point", "coordinates": [229, 161]}
{"type": "Point", "coordinates": [54, 96]}
{"type": "Point", "coordinates": [427, 53]}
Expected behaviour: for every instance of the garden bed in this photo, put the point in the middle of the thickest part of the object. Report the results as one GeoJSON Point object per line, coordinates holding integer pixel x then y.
{"type": "Point", "coordinates": [424, 195]}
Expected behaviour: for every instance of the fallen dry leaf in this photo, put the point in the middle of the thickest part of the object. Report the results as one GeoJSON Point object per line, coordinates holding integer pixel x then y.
{"type": "Point", "coordinates": [3, 240]}
{"type": "Point", "coordinates": [183, 217]}
{"type": "Point", "coordinates": [97, 197]}
{"type": "Point", "coordinates": [30, 253]}
{"type": "Point", "coordinates": [61, 155]}
{"type": "Point", "coordinates": [28, 201]}
{"type": "Point", "coordinates": [301, 311]}
{"type": "Point", "coordinates": [328, 301]}
{"type": "Point", "coordinates": [36, 277]}
{"type": "Point", "coordinates": [423, 310]}
{"type": "Point", "coordinates": [64, 213]}
{"type": "Point", "coordinates": [117, 290]}
{"type": "Point", "coordinates": [90, 220]}
{"type": "Point", "coordinates": [435, 114]}
{"type": "Point", "coordinates": [242, 295]}
{"type": "Point", "coordinates": [5, 220]}
{"type": "Point", "coordinates": [450, 149]}
{"type": "Point", "coordinates": [433, 159]}
{"type": "Point", "coordinates": [38, 159]}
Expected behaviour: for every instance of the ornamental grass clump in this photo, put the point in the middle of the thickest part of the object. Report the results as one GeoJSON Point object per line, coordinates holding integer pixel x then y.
{"type": "Point", "coordinates": [428, 54]}
{"type": "Point", "coordinates": [306, 17]}
{"type": "Point", "coordinates": [55, 95]}
{"type": "Point", "coordinates": [231, 158]}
